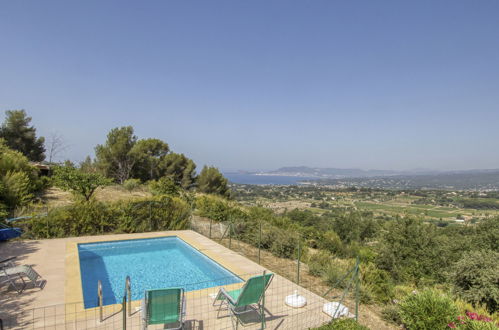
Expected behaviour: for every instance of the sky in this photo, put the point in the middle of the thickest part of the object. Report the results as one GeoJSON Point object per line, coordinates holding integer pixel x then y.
{"type": "Point", "coordinates": [263, 84]}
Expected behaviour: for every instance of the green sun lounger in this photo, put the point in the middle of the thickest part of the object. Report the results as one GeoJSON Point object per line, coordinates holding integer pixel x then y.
{"type": "Point", "coordinates": [242, 300]}
{"type": "Point", "coordinates": [164, 306]}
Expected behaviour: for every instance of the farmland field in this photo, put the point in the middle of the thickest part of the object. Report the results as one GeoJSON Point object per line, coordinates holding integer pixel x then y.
{"type": "Point", "coordinates": [428, 205]}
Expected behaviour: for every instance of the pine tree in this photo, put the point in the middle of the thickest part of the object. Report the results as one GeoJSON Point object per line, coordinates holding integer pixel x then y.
{"type": "Point", "coordinates": [18, 135]}
{"type": "Point", "coordinates": [211, 181]}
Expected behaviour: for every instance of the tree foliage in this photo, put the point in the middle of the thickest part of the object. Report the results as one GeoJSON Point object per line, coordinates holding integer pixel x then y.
{"type": "Point", "coordinates": [80, 183]}
{"type": "Point", "coordinates": [20, 136]}
{"type": "Point", "coordinates": [180, 168]}
{"type": "Point", "coordinates": [88, 165]}
{"type": "Point", "coordinates": [409, 250]}
{"type": "Point", "coordinates": [475, 278]}
{"type": "Point", "coordinates": [164, 186]}
{"type": "Point", "coordinates": [123, 156]}
{"type": "Point", "coordinates": [115, 157]}
{"type": "Point", "coordinates": [148, 154]}
{"type": "Point", "coordinates": [211, 181]}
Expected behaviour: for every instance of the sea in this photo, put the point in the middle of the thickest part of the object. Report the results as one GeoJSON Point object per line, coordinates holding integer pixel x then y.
{"type": "Point", "coordinates": [245, 178]}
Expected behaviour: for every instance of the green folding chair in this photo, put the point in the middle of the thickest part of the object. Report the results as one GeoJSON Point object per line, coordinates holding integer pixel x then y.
{"type": "Point", "coordinates": [242, 300]}
{"type": "Point", "coordinates": [164, 306]}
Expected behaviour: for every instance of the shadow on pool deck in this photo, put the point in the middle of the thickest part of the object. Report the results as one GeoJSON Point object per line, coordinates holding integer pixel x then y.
{"type": "Point", "coordinates": [17, 304]}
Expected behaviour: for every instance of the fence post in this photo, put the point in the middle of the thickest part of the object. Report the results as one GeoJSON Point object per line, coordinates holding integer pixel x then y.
{"type": "Point", "coordinates": [262, 312]}
{"type": "Point", "coordinates": [150, 215]}
{"type": "Point", "coordinates": [230, 234]}
{"type": "Point", "coordinates": [298, 263]}
{"type": "Point", "coordinates": [259, 242]}
{"type": "Point", "coordinates": [123, 304]}
{"type": "Point", "coordinates": [128, 293]}
{"type": "Point", "coordinates": [211, 221]}
{"type": "Point", "coordinates": [357, 288]}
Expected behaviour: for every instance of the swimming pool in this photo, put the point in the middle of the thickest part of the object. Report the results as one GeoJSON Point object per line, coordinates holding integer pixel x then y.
{"type": "Point", "coordinates": [151, 263]}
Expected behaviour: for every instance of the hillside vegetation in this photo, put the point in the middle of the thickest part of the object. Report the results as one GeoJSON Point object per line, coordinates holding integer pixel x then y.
{"type": "Point", "coordinates": [420, 267]}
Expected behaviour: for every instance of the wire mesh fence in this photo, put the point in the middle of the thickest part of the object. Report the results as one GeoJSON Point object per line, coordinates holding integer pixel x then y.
{"type": "Point", "coordinates": [275, 307]}
{"type": "Point", "coordinates": [271, 247]}
{"type": "Point", "coordinates": [264, 244]}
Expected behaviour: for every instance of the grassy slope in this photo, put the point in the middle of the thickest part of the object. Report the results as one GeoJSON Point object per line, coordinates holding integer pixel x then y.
{"type": "Point", "coordinates": [54, 197]}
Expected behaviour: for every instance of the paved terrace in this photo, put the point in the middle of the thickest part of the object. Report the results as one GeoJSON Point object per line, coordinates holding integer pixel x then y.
{"type": "Point", "coordinates": [59, 304]}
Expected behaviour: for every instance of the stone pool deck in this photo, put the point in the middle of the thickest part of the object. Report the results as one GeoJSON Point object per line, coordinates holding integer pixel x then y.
{"type": "Point", "coordinates": [59, 304]}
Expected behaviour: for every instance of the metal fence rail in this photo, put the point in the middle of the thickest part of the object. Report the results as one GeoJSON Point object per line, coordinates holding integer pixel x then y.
{"type": "Point", "coordinates": [200, 311]}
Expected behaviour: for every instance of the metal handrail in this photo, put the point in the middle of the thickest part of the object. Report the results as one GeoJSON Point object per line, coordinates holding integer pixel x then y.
{"type": "Point", "coordinates": [128, 293]}
{"type": "Point", "coordinates": [99, 294]}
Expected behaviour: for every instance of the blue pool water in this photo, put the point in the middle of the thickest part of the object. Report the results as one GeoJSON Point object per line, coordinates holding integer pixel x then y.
{"type": "Point", "coordinates": [151, 264]}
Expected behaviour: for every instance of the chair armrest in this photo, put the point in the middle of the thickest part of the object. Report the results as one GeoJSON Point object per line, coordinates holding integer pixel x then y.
{"type": "Point", "coordinates": [227, 296]}
{"type": "Point", "coordinates": [143, 311]}
{"type": "Point", "coordinates": [184, 307]}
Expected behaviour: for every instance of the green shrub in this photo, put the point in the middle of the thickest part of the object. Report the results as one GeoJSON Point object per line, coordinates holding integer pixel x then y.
{"type": "Point", "coordinates": [17, 189]}
{"type": "Point", "coordinates": [219, 209]}
{"type": "Point", "coordinates": [164, 186]}
{"type": "Point", "coordinates": [366, 254]}
{"type": "Point", "coordinates": [376, 283]}
{"type": "Point", "coordinates": [402, 291]}
{"type": "Point", "coordinates": [19, 181]}
{"type": "Point", "coordinates": [391, 314]}
{"type": "Point", "coordinates": [427, 310]}
{"type": "Point", "coordinates": [335, 271]}
{"type": "Point", "coordinates": [476, 278]}
{"type": "Point", "coordinates": [92, 218]}
{"type": "Point", "coordinates": [317, 262]}
{"type": "Point", "coordinates": [162, 213]}
{"type": "Point", "coordinates": [332, 242]}
{"type": "Point", "coordinates": [343, 324]}
{"type": "Point", "coordinates": [478, 325]}
{"type": "Point", "coordinates": [78, 219]}
{"type": "Point", "coordinates": [465, 307]}
{"type": "Point", "coordinates": [131, 184]}
{"type": "Point", "coordinates": [284, 245]}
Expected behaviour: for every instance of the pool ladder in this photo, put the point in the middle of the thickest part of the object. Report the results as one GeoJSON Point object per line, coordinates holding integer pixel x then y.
{"type": "Point", "coordinates": [99, 294]}
{"type": "Point", "coordinates": [127, 296]}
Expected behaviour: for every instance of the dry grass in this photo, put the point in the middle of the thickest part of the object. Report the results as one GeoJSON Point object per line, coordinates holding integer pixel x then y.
{"type": "Point", "coordinates": [281, 207]}
{"type": "Point", "coordinates": [54, 197]}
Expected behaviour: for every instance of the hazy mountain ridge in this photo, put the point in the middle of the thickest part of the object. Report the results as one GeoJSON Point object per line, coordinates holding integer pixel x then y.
{"type": "Point", "coordinates": [356, 172]}
{"type": "Point", "coordinates": [337, 173]}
